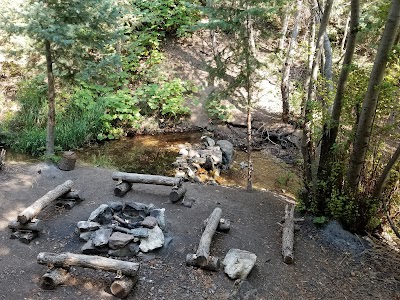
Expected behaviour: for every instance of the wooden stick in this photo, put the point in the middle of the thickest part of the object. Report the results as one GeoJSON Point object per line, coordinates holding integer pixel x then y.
{"type": "Point", "coordinates": [67, 259]}
{"type": "Point", "coordinates": [203, 251]}
{"type": "Point", "coordinates": [37, 225]}
{"type": "Point", "coordinates": [288, 235]}
{"type": "Point", "coordinates": [122, 287]}
{"type": "Point", "coordinates": [177, 194]}
{"type": "Point", "coordinates": [30, 212]}
{"type": "Point", "coordinates": [52, 278]}
{"type": "Point", "coordinates": [122, 188]}
{"type": "Point", "coordinates": [213, 263]}
{"type": "Point", "coordinates": [146, 178]}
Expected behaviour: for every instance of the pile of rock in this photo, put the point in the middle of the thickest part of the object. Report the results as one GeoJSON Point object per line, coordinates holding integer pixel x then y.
{"type": "Point", "coordinates": [204, 163]}
{"type": "Point", "coordinates": [122, 230]}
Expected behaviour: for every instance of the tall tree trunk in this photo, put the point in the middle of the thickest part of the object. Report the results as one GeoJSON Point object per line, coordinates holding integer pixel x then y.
{"type": "Point", "coordinates": [311, 52]}
{"type": "Point", "coordinates": [285, 24]}
{"type": "Point", "coordinates": [285, 83]}
{"type": "Point", "coordinates": [306, 145]}
{"type": "Point", "coordinates": [365, 124]}
{"type": "Point", "coordinates": [250, 53]}
{"type": "Point", "coordinates": [346, 29]}
{"type": "Point", "coordinates": [332, 128]}
{"type": "Point", "coordinates": [328, 64]}
{"type": "Point", "coordinates": [51, 114]}
{"type": "Point", "coordinates": [382, 179]}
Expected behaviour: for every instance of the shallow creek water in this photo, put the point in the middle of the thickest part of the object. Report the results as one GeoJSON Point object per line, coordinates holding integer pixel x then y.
{"type": "Point", "coordinates": [154, 154]}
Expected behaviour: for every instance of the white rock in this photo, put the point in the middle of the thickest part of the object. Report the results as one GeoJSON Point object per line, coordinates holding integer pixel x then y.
{"type": "Point", "coordinates": [153, 241]}
{"type": "Point", "coordinates": [238, 263]}
{"type": "Point", "coordinates": [183, 152]}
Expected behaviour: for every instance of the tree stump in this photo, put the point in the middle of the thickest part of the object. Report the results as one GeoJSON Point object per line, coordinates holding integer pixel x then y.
{"type": "Point", "coordinates": [122, 287]}
{"type": "Point", "coordinates": [67, 162]}
{"type": "Point", "coordinates": [52, 278]}
{"type": "Point", "coordinates": [177, 193]}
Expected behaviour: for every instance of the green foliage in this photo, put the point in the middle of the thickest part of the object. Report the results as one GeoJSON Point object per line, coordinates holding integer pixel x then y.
{"type": "Point", "coordinates": [320, 220]}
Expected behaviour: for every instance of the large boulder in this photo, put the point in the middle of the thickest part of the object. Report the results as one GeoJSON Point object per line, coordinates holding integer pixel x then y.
{"type": "Point", "coordinates": [227, 152]}
{"type": "Point", "coordinates": [238, 263]}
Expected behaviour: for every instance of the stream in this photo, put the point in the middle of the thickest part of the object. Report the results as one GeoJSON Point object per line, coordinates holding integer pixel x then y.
{"type": "Point", "coordinates": [154, 154]}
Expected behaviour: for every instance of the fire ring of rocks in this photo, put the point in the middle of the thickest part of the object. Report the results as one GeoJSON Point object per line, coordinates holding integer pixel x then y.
{"type": "Point", "coordinates": [122, 230]}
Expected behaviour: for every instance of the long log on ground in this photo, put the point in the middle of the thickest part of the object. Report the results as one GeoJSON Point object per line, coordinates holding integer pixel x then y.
{"type": "Point", "coordinates": [67, 259]}
{"type": "Point", "coordinates": [146, 178]}
{"type": "Point", "coordinates": [37, 225]}
{"type": "Point", "coordinates": [203, 251]}
{"type": "Point", "coordinates": [288, 235]}
{"type": "Point", "coordinates": [52, 278]}
{"type": "Point", "coordinates": [122, 188]}
{"type": "Point", "coordinates": [122, 287]}
{"type": "Point", "coordinates": [177, 193]}
{"type": "Point", "coordinates": [30, 212]}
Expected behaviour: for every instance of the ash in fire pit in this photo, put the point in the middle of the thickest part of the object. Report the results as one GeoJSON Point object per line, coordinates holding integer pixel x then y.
{"type": "Point", "coordinates": [123, 229]}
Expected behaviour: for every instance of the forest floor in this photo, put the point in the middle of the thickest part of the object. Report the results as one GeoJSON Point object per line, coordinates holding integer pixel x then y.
{"type": "Point", "coordinates": [329, 263]}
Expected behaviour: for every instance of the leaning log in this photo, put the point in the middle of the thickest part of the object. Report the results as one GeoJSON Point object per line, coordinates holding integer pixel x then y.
{"type": "Point", "coordinates": [203, 251]}
{"type": "Point", "coordinates": [52, 278]}
{"type": "Point", "coordinates": [177, 193]}
{"type": "Point", "coordinates": [288, 235]}
{"type": "Point", "coordinates": [30, 212]}
{"type": "Point", "coordinates": [122, 287]}
{"type": "Point", "coordinates": [146, 178]}
{"type": "Point", "coordinates": [67, 259]}
{"type": "Point", "coordinates": [36, 225]}
{"type": "Point", "coordinates": [122, 188]}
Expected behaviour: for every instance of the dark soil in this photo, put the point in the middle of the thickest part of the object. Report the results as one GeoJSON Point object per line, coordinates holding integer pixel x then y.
{"type": "Point", "coordinates": [322, 270]}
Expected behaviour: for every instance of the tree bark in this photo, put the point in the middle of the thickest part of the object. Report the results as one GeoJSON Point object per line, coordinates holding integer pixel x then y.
{"type": "Point", "coordinates": [365, 124]}
{"type": "Point", "coordinates": [146, 178]}
{"type": "Point", "coordinates": [177, 194]}
{"type": "Point", "coordinates": [122, 188]}
{"type": "Point", "coordinates": [52, 278]}
{"type": "Point", "coordinates": [67, 259]}
{"type": "Point", "coordinates": [288, 235]}
{"type": "Point", "coordinates": [122, 287]}
{"type": "Point", "coordinates": [30, 212]}
{"type": "Point", "coordinates": [213, 263]}
{"type": "Point", "coordinates": [285, 24]}
{"type": "Point", "coordinates": [203, 251]}
{"type": "Point", "coordinates": [51, 114]}
{"type": "Point", "coordinates": [386, 171]}
{"type": "Point", "coordinates": [346, 29]}
{"type": "Point", "coordinates": [33, 226]}
{"type": "Point", "coordinates": [285, 83]}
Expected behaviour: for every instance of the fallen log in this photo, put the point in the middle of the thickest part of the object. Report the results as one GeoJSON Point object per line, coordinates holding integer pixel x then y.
{"type": "Point", "coordinates": [177, 193]}
{"type": "Point", "coordinates": [122, 188]}
{"type": "Point", "coordinates": [213, 263]}
{"type": "Point", "coordinates": [122, 287]}
{"type": "Point", "coordinates": [30, 212]}
{"type": "Point", "coordinates": [146, 178]}
{"type": "Point", "coordinates": [53, 277]}
{"type": "Point", "coordinates": [288, 235]}
{"type": "Point", "coordinates": [203, 251]}
{"type": "Point", "coordinates": [67, 259]}
{"type": "Point", "coordinates": [73, 195]}
{"type": "Point", "coordinates": [36, 225]}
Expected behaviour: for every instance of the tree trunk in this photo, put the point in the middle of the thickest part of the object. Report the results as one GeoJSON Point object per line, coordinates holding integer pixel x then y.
{"type": "Point", "coordinates": [365, 124]}
{"type": "Point", "coordinates": [203, 251]}
{"type": "Point", "coordinates": [386, 171]}
{"type": "Point", "coordinates": [30, 212]}
{"type": "Point", "coordinates": [285, 24]}
{"type": "Point", "coordinates": [51, 114]}
{"type": "Point", "coordinates": [288, 235]}
{"type": "Point", "coordinates": [177, 194]}
{"type": "Point", "coordinates": [122, 188]}
{"type": "Point", "coordinates": [285, 84]}
{"type": "Point", "coordinates": [346, 28]}
{"type": "Point", "coordinates": [146, 178]}
{"type": "Point", "coordinates": [33, 226]}
{"type": "Point", "coordinates": [328, 65]}
{"type": "Point", "coordinates": [122, 287]}
{"type": "Point", "coordinates": [67, 259]}
{"type": "Point", "coordinates": [332, 128]}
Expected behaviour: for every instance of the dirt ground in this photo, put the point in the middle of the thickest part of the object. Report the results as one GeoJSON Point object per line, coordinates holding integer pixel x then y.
{"type": "Point", "coordinates": [321, 271]}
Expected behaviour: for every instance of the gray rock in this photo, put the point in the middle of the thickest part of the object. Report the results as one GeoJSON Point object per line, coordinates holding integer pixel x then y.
{"type": "Point", "coordinates": [208, 142]}
{"type": "Point", "coordinates": [87, 226]}
{"type": "Point", "coordinates": [119, 240]}
{"type": "Point", "coordinates": [100, 237]}
{"type": "Point", "coordinates": [227, 152]}
{"type": "Point", "coordinates": [116, 205]}
{"type": "Point", "coordinates": [238, 263]}
{"type": "Point", "coordinates": [214, 152]}
{"type": "Point", "coordinates": [137, 206]}
{"type": "Point", "coordinates": [103, 214]}
{"type": "Point", "coordinates": [85, 236]}
{"type": "Point", "coordinates": [140, 232]}
{"type": "Point", "coordinates": [149, 222]}
{"type": "Point", "coordinates": [159, 214]}
{"type": "Point", "coordinates": [127, 251]}
{"type": "Point", "coordinates": [153, 241]}
{"type": "Point", "coordinates": [134, 247]}
{"type": "Point", "coordinates": [89, 248]}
